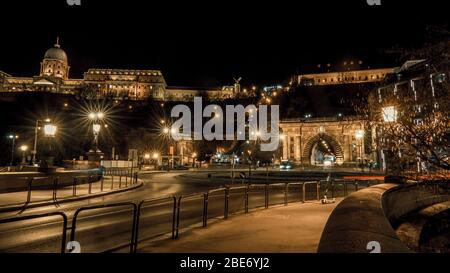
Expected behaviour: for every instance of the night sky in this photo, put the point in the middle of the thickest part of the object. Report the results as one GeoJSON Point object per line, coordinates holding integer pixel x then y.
{"type": "Point", "coordinates": [207, 43]}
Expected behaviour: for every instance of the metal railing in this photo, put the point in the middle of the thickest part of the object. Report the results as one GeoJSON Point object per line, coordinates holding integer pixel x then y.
{"type": "Point", "coordinates": [123, 204]}
{"type": "Point", "coordinates": [43, 215]}
{"type": "Point", "coordinates": [56, 184]}
{"type": "Point", "coordinates": [205, 198]}
{"type": "Point", "coordinates": [155, 202]}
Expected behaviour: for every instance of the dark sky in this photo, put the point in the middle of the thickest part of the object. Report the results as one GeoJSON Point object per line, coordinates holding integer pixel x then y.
{"type": "Point", "coordinates": [206, 43]}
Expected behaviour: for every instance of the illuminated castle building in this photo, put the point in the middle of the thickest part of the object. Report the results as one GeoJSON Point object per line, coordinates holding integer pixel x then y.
{"type": "Point", "coordinates": [104, 83]}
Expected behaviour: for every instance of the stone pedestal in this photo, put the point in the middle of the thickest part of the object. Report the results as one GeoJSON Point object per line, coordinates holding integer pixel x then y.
{"type": "Point", "coordinates": [95, 156]}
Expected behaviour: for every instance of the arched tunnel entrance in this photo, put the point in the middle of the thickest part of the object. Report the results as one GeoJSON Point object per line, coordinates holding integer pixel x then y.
{"type": "Point", "coordinates": [323, 150]}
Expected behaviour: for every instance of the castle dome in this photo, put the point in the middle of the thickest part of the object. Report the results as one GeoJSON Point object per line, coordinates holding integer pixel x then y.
{"type": "Point", "coordinates": [56, 53]}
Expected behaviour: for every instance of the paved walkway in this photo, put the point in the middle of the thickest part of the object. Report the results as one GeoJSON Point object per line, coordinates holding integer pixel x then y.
{"type": "Point", "coordinates": [295, 228]}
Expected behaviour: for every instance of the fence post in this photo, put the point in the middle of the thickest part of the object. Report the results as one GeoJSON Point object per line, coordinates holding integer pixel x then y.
{"type": "Point", "coordinates": [304, 192]}
{"type": "Point", "coordinates": [133, 247]}
{"type": "Point", "coordinates": [120, 179]}
{"type": "Point", "coordinates": [300, 191]}
{"type": "Point", "coordinates": [101, 183]}
{"type": "Point", "coordinates": [174, 216]}
{"type": "Point", "coordinates": [345, 188]}
{"type": "Point", "coordinates": [318, 190]}
{"type": "Point", "coordinates": [227, 199]}
{"type": "Point", "coordinates": [286, 186]}
{"type": "Point", "coordinates": [112, 180]}
{"type": "Point", "coordinates": [368, 183]}
{"type": "Point", "coordinates": [55, 188]}
{"type": "Point", "coordinates": [74, 187]}
{"type": "Point", "coordinates": [30, 181]}
{"type": "Point", "coordinates": [178, 216]}
{"type": "Point", "coordinates": [246, 198]}
{"type": "Point", "coordinates": [332, 189]}
{"type": "Point", "coordinates": [266, 195]}
{"type": "Point", "coordinates": [205, 209]}
{"type": "Point", "coordinates": [356, 186]}
{"type": "Point", "coordinates": [90, 183]}
{"type": "Point", "coordinates": [126, 178]}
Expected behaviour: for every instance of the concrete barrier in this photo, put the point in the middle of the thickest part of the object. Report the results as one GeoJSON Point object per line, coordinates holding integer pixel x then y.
{"type": "Point", "coordinates": [368, 215]}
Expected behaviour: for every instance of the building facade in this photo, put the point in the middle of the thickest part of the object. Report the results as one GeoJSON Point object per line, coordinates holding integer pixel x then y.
{"type": "Point", "coordinates": [105, 83]}
{"type": "Point", "coordinates": [308, 141]}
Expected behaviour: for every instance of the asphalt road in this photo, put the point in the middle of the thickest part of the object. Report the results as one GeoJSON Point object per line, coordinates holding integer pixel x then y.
{"type": "Point", "coordinates": [109, 229]}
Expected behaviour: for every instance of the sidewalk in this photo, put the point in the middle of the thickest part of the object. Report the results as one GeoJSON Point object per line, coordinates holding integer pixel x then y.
{"type": "Point", "coordinates": [16, 200]}
{"type": "Point", "coordinates": [291, 229]}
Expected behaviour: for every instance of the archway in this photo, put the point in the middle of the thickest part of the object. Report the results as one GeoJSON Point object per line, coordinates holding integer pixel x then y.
{"type": "Point", "coordinates": [323, 149]}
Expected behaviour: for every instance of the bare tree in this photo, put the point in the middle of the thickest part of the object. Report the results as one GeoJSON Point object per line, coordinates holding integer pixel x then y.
{"type": "Point", "coordinates": [412, 111]}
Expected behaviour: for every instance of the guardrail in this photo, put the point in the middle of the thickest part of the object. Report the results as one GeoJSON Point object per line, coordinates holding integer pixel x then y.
{"type": "Point", "coordinates": [174, 204]}
{"type": "Point", "coordinates": [43, 215]}
{"type": "Point", "coordinates": [55, 185]}
{"type": "Point", "coordinates": [77, 212]}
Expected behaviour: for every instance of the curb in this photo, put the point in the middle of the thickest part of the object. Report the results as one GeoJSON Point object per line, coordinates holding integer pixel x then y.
{"type": "Point", "coordinates": [21, 206]}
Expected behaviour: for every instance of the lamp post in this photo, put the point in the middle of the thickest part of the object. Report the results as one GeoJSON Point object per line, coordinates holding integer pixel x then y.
{"type": "Point", "coordinates": [36, 128]}
{"type": "Point", "coordinates": [194, 156]}
{"type": "Point", "coordinates": [96, 130]}
{"type": "Point", "coordinates": [49, 133]}
{"type": "Point", "coordinates": [95, 154]}
{"type": "Point", "coordinates": [13, 138]}
{"type": "Point", "coordinates": [359, 135]}
{"type": "Point", "coordinates": [168, 132]}
{"type": "Point", "coordinates": [24, 149]}
{"type": "Point", "coordinates": [156, 158]}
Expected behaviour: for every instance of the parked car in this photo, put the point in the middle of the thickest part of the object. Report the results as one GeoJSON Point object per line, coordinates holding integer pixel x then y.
{"type": "Point", "coordinates": [286, 165]}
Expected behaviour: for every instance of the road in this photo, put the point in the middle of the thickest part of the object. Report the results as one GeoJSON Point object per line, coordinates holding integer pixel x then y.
{"type": "Point", "coordinates": [109, 229]}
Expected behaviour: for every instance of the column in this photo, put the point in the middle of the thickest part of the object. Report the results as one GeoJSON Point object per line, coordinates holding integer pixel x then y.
{"type": "Point", "coordinates": [297, 148]}
{"type": "Point", "coordinates": [285, 147]}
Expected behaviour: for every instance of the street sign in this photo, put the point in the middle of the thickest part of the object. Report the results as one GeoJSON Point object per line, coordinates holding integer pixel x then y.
{"type": "Point", "coordinates": [132, 154]}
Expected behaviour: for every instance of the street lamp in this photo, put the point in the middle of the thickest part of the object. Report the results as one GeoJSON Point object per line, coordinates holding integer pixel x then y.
{"type": "Point", "coordinates": [96, 130]}
{"type": "Point", "coordinates": [36, 128]}
{"type": "Point", "coordinates": [49, 133]}
{"type": "Point", "coordinates": [359, 135]}
{"type": "Point", "coordinates": [50, 130]}
{"type": "Point", "coordinates": [389, 114]}
{"type": "Point", "coordinates": [95, 154]}
{"type": "Point", "coordinates": [13, 139]}
{"type": "Point", "coordinates": [194, 156]}
{"type": "Point", "coordinates": [156, 158]}
{"type": "Point", "coordinates": [168, 133]}
{"type": "Point", "coordinates": [23, 148]}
